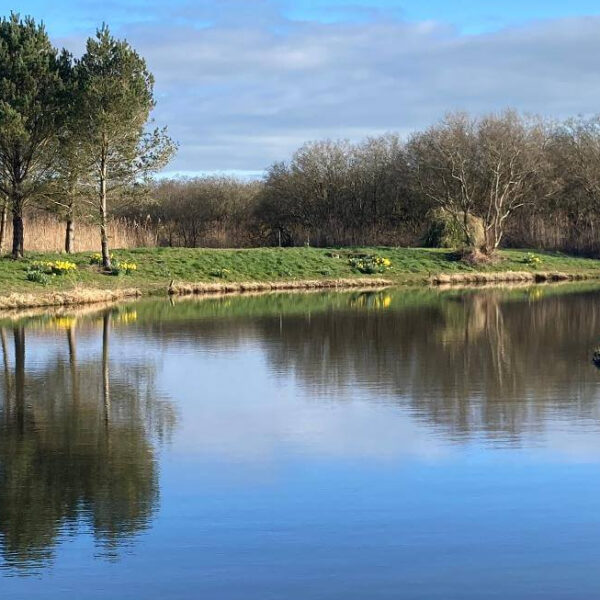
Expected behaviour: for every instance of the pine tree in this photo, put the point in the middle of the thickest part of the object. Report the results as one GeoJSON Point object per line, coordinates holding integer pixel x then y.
{"type": "Point", "coordinates": [115, 99]}
{"type": "Point", "coordinates": [31, 114]}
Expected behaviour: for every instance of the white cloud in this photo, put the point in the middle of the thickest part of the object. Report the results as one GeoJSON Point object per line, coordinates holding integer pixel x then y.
{"type": "Point", "coordinates": [239, 95]}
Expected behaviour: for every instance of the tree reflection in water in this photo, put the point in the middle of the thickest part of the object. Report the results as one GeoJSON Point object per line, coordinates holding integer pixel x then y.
{"type": "Point", "coordinates": [76, 445]}
{"type": "Point", "coordinates": [492, 362]}
{"type": "Point", "coordinates": [71, 454]}
{"type": "Point", "coordinates": [472, 363]}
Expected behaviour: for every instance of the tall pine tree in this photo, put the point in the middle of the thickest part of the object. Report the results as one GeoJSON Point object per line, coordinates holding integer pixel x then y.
{"type": "Point", "coordinates": [115, 98]}
{"type": "Point", "coordinates": [31, 114]}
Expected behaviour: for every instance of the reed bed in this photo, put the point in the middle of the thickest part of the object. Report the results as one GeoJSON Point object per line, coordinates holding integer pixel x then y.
{"type": "Point", "coordinates": [187, 289]}
{"type": "Point", "coordinates": [68, 298]}
{"type": "Point", "coordinates": [47, 234]}
{"type": "Point", "coordinates": [508, 277]}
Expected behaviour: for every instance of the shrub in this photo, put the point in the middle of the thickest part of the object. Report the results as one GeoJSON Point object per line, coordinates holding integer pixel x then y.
{"type": "Point", "coordinates": [446, 231]}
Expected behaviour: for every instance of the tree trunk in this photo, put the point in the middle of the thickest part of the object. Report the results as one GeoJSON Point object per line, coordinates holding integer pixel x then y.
{"type": "Point", "coordinates": [3, 221]}
{"type": "Point", "coordinates": [467, 232]}
{"type": "Point", "coordinates": [105, 367]}
{"type": "Point", "coordinates": [72, 341]}
{"type": "Point", "coordinates": [70, 235]}
{"type": "Point", "coordinates": [19, 338]}
{"type": "Point", "coordinates": [103, 218]}
{"type": "Point", "coordinates": [7, 374]}
{"type": "Point", "coordinates": [18, 230]}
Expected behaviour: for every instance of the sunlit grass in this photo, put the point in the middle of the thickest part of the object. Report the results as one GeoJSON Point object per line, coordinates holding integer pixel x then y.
{"type": "Point", "coordinates": [157, 267]}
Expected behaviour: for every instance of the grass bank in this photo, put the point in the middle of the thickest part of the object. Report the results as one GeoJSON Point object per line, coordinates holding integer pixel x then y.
{"type": "Point", "coordinates": [199, 270]}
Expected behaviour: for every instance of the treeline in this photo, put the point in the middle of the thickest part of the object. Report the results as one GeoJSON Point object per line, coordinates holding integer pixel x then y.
{"type": "Point", "coordinates": [73, 132]}
{"type": "Point", "coordinates": [527, 181]}
{"type": "Point", "coordinates": [75, 142]}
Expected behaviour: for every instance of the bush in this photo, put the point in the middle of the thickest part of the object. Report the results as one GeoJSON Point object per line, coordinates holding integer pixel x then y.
{"type": "Point", "coordinates": [445, 231]}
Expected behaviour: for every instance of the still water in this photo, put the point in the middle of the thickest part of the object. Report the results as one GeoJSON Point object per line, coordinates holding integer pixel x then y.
{"type": "Point", "coordinates": [379, 445]}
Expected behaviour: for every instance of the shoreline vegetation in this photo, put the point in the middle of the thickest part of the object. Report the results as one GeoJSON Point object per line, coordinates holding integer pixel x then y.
{"type": "Point", "coordinates": [184, 271]}
{"type": "Point", "coordinates": [79, 148]}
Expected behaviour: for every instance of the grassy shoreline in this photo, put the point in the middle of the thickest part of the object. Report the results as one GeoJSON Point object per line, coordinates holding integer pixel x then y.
{"type": "Point", "coordinates": [188, 271]}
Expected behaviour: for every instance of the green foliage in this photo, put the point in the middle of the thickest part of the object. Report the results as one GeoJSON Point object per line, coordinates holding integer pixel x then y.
{"type": "Point", "coordinates": [32, 110]}
{"type": "Point", "coordinates": [446, 231]}
{"type": "Point", "coordinates": [37, 277]}
{"type": "Point", "coordinates": [115, 98]}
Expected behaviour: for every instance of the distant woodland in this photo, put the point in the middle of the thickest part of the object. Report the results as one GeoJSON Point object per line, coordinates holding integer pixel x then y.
{"type": "Point", "coordinates": [79, 159]}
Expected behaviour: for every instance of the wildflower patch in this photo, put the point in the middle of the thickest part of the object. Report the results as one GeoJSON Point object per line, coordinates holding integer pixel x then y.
{"type": "Point", "coordinates": [370, 264]}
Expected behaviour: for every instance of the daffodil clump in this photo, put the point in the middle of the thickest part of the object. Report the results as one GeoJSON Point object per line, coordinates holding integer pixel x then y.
{"type": "Point", "coordinates": [96, 258]}
{"type": "Point", "coordinates": [532, 259]}
{"type": "Point", "coordinates": [42, 271]}
{"type": "Point", "coordinates": [370, 264]}
{"type": "Point", "coordinates": [222, 273]}
{"type": "Point", "coordinates": [123, 268]}
{"type": "Point", "coordinates": [60, 267]}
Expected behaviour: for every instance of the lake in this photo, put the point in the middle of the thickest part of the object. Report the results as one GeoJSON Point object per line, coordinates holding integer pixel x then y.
{"type": "Point", "coordinates": [367, 445]}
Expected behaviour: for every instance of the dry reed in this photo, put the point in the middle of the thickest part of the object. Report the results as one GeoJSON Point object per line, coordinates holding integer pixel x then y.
{"type": "Point", "coordinates": [259, 286]}
{"type": "Point", "coordinates": [70, 298]}
{"type": "Point", "coordinates": [508, 276]}
{"type": "Point", "coordinates": [47, 234]}
{"type": "Point", "coordinates": [73, 311]}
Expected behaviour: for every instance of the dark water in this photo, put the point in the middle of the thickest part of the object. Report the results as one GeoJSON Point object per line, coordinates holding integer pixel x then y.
{"type": "Point", "coordinates": [352, 446]}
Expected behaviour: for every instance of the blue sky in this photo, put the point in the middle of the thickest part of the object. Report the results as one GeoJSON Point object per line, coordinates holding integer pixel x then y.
{"type": "Point", "coordinates": [470, 16]}
{"type": "Point", "coordinates": [243, 83]}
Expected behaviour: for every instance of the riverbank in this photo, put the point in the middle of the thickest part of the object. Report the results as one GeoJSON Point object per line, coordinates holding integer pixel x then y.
{"type": "Point", "coordinates": [188, 271]}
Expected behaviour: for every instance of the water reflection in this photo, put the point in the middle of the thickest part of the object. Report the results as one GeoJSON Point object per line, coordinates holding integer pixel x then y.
{"type": "Point", "coordinates": [307, 424]}
{"type": "Point", "coordinates": [478, 363]}
{"type": "Point", "coordinates": [75, 441]}
{"type": "Point", "coordinates": [497, 363]}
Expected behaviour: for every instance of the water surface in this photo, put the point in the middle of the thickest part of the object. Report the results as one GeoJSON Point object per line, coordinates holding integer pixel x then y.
{"type": "Point", "coordinates": [395, 444]}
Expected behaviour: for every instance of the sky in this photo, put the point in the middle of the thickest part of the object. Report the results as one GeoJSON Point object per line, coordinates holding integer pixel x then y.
{"type": "Point", "coordinates": [243, 83]}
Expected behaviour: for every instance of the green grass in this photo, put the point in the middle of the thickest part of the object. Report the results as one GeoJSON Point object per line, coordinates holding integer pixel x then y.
{"type": "Point", "coordinates": [158, 266]}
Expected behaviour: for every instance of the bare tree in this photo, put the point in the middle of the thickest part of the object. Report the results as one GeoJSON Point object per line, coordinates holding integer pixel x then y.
{"type": "Point", "coordinates": [512, 160]}
{"type": "Point", "coordinates": [445, 162]}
